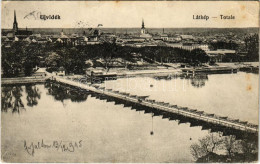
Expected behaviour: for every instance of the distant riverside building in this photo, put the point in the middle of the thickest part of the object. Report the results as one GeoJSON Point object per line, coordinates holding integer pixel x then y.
{"type": "Point", "coordinates": [218, 54]}
{"type": "Point", "coordinates": [188, 46]}
{"type": "Point", "coordinates": [221, 51]}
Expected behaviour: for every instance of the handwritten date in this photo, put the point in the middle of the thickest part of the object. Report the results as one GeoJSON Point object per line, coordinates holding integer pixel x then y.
{"type": "Point", "coordinates": [62, 146]}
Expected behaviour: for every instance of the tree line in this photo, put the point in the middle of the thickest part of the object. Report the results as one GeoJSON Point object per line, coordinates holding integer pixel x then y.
{"type": "Point", "coordinates": [249, 50]}
{"type": "Point", "coordinates": [21, 58]}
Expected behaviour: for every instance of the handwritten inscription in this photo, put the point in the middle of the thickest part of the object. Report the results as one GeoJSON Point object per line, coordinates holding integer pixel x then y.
{"type": "Point", "coordinates": [38, 15]}
{"type": "Point", "coordinates": [62, 146]}
{"type": "Point", "coordinates": [33, 15]}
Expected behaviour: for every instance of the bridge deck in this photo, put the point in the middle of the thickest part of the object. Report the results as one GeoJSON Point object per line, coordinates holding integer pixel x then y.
{"type": "Point", "coordinates": [163, 106]}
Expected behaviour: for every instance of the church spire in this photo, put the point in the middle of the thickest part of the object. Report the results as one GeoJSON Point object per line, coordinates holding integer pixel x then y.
{"type": "Point", "coordinates": [15, 17]}
{"type": "Point", "coordinates": [143, 31]}
{"type": "Point", "coordinates": [15, 24]}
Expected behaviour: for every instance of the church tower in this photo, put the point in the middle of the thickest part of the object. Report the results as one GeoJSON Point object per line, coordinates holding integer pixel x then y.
{"type": "Point", "coordinates": [143, 31]}
{"type": "Point", "coordinates": [15, 24]}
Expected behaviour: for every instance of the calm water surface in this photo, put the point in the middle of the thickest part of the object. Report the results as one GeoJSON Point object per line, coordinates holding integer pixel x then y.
{"type": "Point", "coordinates": [113, 133]}
{"type": "Point", "coordinates": [232, 95]}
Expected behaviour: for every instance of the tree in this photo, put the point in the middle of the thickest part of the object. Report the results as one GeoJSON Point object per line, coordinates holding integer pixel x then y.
{"type": "Point", "coordinates": [231, 145]}
{"type": "Point", "coordinates": [31, 59]}
{"type": "Point", "coordinates": [20, 58]}
{"type": "Point", "coordinates": [244, 150]}
{"type": "Point", "coordinates": [252, 47]}
{"type": "Point", "coordinates": [199, 55]}
{"type": "Point", "coordinates": [197, 151]}
{"type": "Point", "coordinates": [206, 145]}
{"type": "Point", "coordinates": [77, 61]}
{"type": "Point", "coordinates": [249, 145]}
{"type": "Point", "coordinates": [12, 59]}
{"type": "Point", "coordinates": [109, 53]}
{"type": "Point", "coordinates": [53, 60]}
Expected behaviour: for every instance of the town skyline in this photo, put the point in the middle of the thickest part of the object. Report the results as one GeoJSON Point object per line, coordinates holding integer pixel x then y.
{"type": "Point", "coordinates": [90, 16]}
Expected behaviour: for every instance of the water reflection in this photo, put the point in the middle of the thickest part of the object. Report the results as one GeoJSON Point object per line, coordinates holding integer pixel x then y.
{"type": "Point", "coordinates": [157, 128]}
{"type": "Point", "coordinates": [56, 91]}
{"type": "Point", "coordinates": [62, 92]}
{"type": "Point", "coordinates": [33, 94]}
{"type": "Point", "coordinates": [11, 97]}
{"type": "Point", "coordinates": [197, 80]}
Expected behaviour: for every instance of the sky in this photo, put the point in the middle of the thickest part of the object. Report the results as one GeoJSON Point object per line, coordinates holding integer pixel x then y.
{"type": "Point", "coordinates": [123, 14]}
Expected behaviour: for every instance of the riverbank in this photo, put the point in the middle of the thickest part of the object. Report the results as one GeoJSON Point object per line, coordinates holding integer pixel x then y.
{"type": "Point", "coordinates": [210, 70]}
{"type": "Point", "coordinates": [239, 65]}
{"type": "Point", "coordinates": [179, 67]}
{"type": "Point", "coordinates": [22, 80]}
{"type": "Point", "coordinates": [145, 72]}
{"type": "Point", "coordinates": [119, 72]}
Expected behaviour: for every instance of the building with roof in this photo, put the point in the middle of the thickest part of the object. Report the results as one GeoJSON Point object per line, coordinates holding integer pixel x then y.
{"type": "Point", "coordinates": [221, 51]}
{"type": "Point", "coordinates": [144, 33]}
{"type": "Point", "coordinates": [164, 36]}
{"type": "Point", "coordinates": [59, 72]}
{"type": "Point", "coordinates": [16, 32]}
{"type": "Point", "coordinates": [188, 46]}
{"type": "Point", "coordinates": [81, 40]}
{"type": "Point", "coordinates": [218, 54]}
{"type": "Point", "coordinates": [187, 37]}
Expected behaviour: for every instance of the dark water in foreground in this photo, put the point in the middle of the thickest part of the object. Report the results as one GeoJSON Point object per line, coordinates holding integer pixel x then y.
{"type": "Point", "coordinates": [82, 128]}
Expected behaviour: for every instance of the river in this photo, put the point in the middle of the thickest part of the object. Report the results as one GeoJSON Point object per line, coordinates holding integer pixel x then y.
{"type": "Point", "coordinates": [94, 130]}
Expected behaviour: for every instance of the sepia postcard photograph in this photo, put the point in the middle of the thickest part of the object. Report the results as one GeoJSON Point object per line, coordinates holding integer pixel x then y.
{"type": "Point", "coordinates": [129, 81]}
